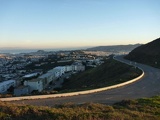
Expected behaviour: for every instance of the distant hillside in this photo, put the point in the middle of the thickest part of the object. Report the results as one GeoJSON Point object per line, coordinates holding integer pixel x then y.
{"type": "Point", "coordinates": [147, 54]}
{"type": "Point", "coordinates": [115, 48]}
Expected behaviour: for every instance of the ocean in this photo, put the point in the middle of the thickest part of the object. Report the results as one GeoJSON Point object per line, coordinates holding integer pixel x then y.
{"type": "Point", "coordinates": [17, 51]}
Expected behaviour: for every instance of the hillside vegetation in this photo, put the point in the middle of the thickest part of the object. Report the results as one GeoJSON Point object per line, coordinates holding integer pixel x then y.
{"type": "Point", "coordinates": [147, 54]}
{"type": "Point", "coordinates": [141, 109]}
{"type": "Point", "coordinates": [109, 73]}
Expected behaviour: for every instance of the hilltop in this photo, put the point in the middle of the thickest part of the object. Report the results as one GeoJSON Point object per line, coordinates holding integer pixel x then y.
{"type": "Point", "coordinates": [148, 53]}
{"type": "Point", "coordinates": [115, 48]}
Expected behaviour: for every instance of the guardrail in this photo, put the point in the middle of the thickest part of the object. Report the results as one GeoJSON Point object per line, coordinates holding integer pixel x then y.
{"type": "Point", "coordinates": [73, 93]}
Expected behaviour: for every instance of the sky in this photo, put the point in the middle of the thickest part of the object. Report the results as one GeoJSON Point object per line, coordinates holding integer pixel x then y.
{"type": "Point", "coordinates": [77, 23]}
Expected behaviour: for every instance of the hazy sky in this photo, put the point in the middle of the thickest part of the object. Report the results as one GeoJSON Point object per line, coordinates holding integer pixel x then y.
{"type": "Point", "coordinates": [75, 23]}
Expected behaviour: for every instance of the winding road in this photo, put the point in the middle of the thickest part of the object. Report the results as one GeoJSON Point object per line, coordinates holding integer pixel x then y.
{"type": "Point", "coordinates": [147, 86]}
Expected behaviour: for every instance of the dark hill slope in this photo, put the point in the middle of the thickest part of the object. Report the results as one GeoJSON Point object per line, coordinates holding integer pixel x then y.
{"type": "Point", "coordinates": [147, 54]}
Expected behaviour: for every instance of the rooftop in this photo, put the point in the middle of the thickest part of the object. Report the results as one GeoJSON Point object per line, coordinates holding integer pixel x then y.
{"type": "Point", "coordinates": [46, 75]}
{"type": "Point", "coordinates": [30, 75]}
{"type": "Point", "coordinates": [7, 81]}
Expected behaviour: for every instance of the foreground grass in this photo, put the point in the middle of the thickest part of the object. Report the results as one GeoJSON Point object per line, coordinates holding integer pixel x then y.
{"type": "Point", "coordinates": [110, 73]}
{"type": "Point", "coordinates": [141, 109]}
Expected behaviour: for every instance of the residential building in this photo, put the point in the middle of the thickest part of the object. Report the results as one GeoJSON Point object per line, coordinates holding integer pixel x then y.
{"type": "Point", "coordinates": [61, 69]}
{"type": "Point", "coordinates": [68, 68]}
{"type": "Point", "coordinates": [80, 67]}
{"type": "Point", "coordinates": [21, 90]}
{"type": "Point", "coordinates": [77, 66]}
{"type": "Point", "coordinates": [5, 85]}
{"type": "Point", "coordinates": [57, 72]}
{"type": "Point", "coordinates": [35, 84]}
{"type": "Point", "coordinates": [48, 77]}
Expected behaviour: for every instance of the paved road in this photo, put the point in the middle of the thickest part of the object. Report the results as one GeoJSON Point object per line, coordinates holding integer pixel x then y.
{"type": "Point", "coordinates": [148, 86]}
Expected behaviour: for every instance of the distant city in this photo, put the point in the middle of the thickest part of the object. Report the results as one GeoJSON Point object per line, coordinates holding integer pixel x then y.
{"type": "Point", "coordinates": [24, 72]}
{"type": "Point", "coordinates": [81, 59]}
{"type": "Point", "coordinates": [20, 50]}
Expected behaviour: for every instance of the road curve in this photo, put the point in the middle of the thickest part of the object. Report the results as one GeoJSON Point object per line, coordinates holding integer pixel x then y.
{"type": "Point", "coordinates": [148, 86]}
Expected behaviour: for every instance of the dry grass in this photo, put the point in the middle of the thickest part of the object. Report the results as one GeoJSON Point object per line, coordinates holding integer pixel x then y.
{"type": "Point", "coordinates": [141, 109]}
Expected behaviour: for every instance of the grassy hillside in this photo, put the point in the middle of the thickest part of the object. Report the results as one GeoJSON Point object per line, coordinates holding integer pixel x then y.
{"type": "Point", "coordinates": [141, 109]}
{"type": "Point", "coordinates": [110, 73]}
{"type": "Point", "coordinates": [147, 54]}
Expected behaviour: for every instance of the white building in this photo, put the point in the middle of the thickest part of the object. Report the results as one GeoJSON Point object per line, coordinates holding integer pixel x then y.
{"type": "Point", "coordinates": [80, 67]}
{"type": "Point", "coordinates": [48, 77]}
{"type": "Point", "coordinates": [55, 73]}
{"type": "Point", "coordinates": [61, 69]}
{"type": "Point", "coordinates": [77, 66]}
{"type": "Point", "coordinates": [52, 75]}
{"type": "Point", "coordinates": [1, 64]}
{"type": "Point", "coordinates": [21, 90]}
{"type": "Point", "coordinates": [68, 68]}
{"type": "Point", "coordinates": [74, 67]}
{"type": "Point", "coordinates": [35, 84]}
{"type": "Point", "coordinates": [5, 85]}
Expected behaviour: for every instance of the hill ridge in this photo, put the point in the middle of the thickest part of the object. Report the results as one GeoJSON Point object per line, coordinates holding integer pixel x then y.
{"type": "Point", "coordinates": [148, 53]}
